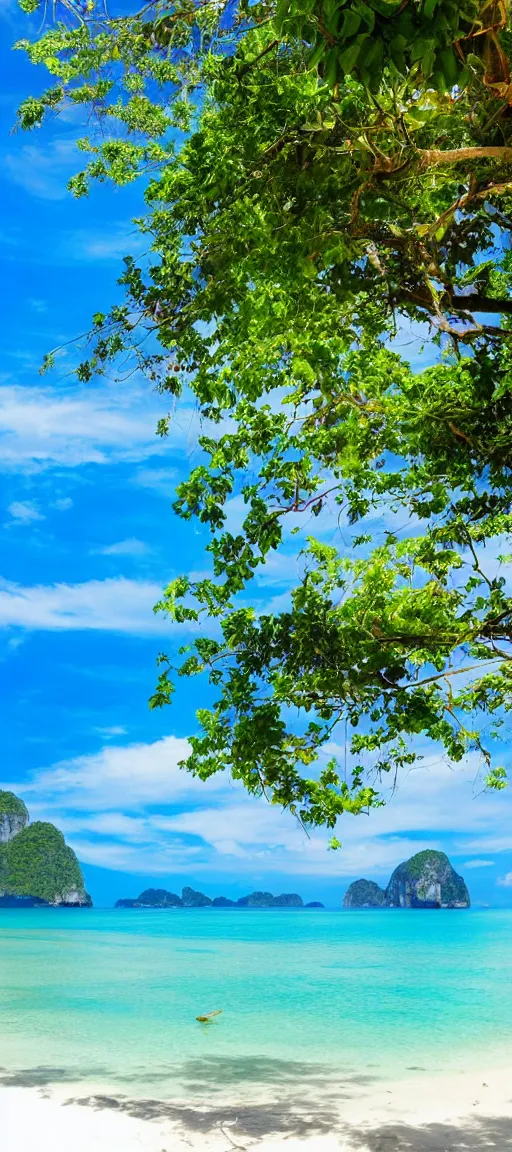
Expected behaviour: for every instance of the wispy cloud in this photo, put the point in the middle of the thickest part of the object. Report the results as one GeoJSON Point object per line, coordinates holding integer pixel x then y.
{"type": "Point", "coordinates": [95, 245]}
{"type": "Point", "coordinates": [129, 547]}
{"type": "Point", "coordinates": [23, 512]}
{"type": "Point", "coordinates": [161, 480]}
{"type": "Point", "coordinates": [140, 858]}
{"type": "Point", "coordinates": [43, 172]}
{"type": "Point", "coordinates": [63, 504]}
{"type": "Point", "coordinates": [133, 775]}
{"type": "Point", "coordinates": [116, 605]}
{"type": "Point", "coordinates": [43, 427]}
{"type": "Point", "coordinates": [478, 864]}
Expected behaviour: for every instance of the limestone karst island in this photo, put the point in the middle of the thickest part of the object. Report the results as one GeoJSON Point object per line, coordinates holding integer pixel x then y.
{"type": "Point", "coordinates": [427, 880]}
{"type": "Point", "coordinates": [161, 898]}
{"type": "Point", "coordinates": [36, 865]}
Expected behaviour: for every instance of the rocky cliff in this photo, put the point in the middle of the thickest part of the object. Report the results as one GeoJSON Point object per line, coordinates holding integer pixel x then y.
{"type": "Point", "coordinates": [427, 880]}
{"type": "Point", "coordinates": [36, 865]}
{"type": "Point", "coordinates": [13, 816]}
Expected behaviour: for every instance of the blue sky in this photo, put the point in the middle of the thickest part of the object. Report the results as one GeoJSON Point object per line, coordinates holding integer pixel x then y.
{"type": "Point", "coordinates": [88, 539]}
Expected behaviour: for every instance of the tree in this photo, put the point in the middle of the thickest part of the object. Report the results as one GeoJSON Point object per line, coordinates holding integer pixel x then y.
{"type": "Point", "coordinates": [318, 175]}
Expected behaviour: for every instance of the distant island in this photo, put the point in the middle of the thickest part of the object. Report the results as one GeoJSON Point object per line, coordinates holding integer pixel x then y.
{"type": "Point", "coordinates": [37, 867]}
{"type": "Point", "coordinates": [160, 898]}
{"type": "Point", "coordinates": [427, 880]}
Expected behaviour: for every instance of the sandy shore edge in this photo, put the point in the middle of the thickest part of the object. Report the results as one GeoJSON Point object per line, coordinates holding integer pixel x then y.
{"type": "Point", "coordinates": [425, 1113]}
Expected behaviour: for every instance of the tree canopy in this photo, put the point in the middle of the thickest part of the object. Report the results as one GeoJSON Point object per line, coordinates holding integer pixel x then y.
{"type": "Point", "coordinates": [318, 176]}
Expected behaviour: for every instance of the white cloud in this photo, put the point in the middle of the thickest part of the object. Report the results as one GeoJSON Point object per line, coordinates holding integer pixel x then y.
{"type": "Point", "coordinates": [135, 775]}
{"type": "Point", "coordinates": [37, 305]}
{"type": "Point", "coordinates": [84, 796]}
{"type": "Point", "coordinates": [63, 504]}
{"type": "Point", "coordinates": [133, 828]}
{"type": "Point", "coordinates": [269, 840]}
{"type": "Point", "coordinates": [477, 864]}
{"type": "Point", "coordinates": [142, 859]}
{"type": "Point", "coordinates": [129, 547]}
{"type": "Point", "coordinates": [161, 480]}
{"type": "Point", "coordinates": [84, 245]}
{"type": "Point", "coordinates": [494, 842]}
{"type": "Point", "coordinates": [280, 569]}
{"type": "Point", "coordinates": [24, 512]}
{"type": "Point", "coordinates": [43, 172]}
{"type": "Point", "coordinates": [42, 426]}
{"type": "Point", "coordinates": [113, 730]}
{"type": "Point", "coordinates": [116, 605]}
{"type": "Point", "coordinates": [15, 642]}
{"type": "Point", "coordinates": [131, 807]}
{"type": "Point", "coordinates": [505, 881]}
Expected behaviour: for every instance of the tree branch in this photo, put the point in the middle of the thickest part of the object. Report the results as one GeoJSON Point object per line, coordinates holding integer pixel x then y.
{"type": "Point", "coordinates": [431, 157]}
{"type": "Point", "coordinates": [456, 302]}
{"type": "Point", "coordinates": [477, 303]}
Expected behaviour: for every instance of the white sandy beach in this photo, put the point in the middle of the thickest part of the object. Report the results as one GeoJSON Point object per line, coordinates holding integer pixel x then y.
{"type": "Point", "coordinates": [423, 1114]}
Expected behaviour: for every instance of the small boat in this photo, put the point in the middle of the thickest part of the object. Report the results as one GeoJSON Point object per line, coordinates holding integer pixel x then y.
{"type": "Point", "coordinates": [206, 1019]}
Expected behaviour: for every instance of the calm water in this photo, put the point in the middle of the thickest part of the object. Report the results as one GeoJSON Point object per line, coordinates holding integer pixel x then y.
{"type": "Point", "coordinates": [110, 998]}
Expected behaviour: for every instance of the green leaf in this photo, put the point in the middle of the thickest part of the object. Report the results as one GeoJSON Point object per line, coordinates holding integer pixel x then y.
{"type": "Point", "coordinates": [350, 24]}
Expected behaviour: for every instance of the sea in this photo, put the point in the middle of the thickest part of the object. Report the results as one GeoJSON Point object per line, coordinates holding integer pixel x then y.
{"type": "Point", "coordinates": [108, 999]}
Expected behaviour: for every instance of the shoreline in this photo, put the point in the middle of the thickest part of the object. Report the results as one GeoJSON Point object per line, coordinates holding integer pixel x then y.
{"type": "Point", "coordinates": [424, 1113]}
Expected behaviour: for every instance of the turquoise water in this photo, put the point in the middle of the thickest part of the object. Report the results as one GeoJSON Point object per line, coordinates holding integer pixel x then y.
{"type": "Point", "coordinates": [110, 998]}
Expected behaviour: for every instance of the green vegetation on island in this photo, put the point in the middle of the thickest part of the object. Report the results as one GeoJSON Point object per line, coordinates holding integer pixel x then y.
{"type": "Point", "coordinates": [13, 806]}
{"type": "Point", "coordinates": [160, 898]}
{"type": "Point", "coordinates": [36, 864]}
{"type": "Point", "coordinates": [193, 899]}
{"type": "Point", "coordinates": [267, 900]}
{"type": "Point", "coordinates": [427, 880]}
{"type": "Point", "coordinates": [364, 894]}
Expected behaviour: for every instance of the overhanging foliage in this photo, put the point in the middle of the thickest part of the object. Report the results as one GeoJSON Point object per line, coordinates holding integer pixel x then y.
{"type": "Point", "coordinates": [318, 176]}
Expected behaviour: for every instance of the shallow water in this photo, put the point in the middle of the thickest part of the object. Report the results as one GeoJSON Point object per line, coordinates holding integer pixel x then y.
{"type": "Point", "coordinates": [110, 997]}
